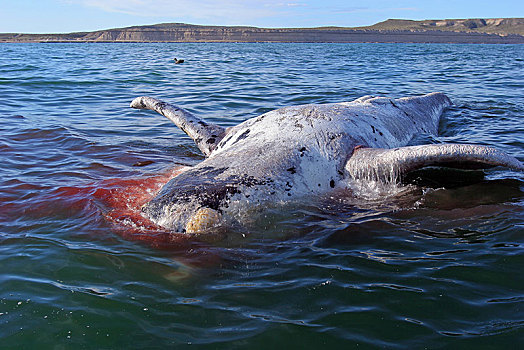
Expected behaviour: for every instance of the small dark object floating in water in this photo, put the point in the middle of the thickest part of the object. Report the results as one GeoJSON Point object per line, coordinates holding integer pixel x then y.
{"type": "Point", "coordinates": [143, 163]}
{"type": "Point", "coordinates": [177, 61]}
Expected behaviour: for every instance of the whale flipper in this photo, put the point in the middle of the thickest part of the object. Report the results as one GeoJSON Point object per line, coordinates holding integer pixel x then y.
{"type": "Point", "coordinates": [389, 164]}
{"type": "Point", "coordinates": [205, 135]}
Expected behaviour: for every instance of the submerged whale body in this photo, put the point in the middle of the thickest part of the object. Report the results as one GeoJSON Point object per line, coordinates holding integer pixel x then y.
{"type": "Point", "coordinates": [299, 151]}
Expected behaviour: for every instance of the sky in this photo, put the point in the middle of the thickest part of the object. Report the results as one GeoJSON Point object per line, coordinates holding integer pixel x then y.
{"type": "Point", "coordinates": [65, 16]}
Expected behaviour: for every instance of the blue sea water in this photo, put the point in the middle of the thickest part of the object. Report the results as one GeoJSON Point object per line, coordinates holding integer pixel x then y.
{"type": "Point", "coordinates": [433, 268]}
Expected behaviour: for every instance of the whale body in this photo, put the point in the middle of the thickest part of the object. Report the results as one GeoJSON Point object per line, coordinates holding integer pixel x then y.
{"type": "Point", "coordinates": [299, 151]}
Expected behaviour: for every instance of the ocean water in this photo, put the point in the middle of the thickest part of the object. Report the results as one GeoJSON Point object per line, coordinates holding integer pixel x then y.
{"type": "Point", "coordinates": [434, 266]}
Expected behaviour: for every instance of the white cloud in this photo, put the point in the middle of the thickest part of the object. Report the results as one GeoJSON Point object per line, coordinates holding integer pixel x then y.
{"type": "Point", "coordinates": [406, 9]}
{"type": "Point", "coordinates": [351, 9]}
{"type": "Point", "coordinates": [264, 13]}
{"type": "Point", "coordinates": [227, 10]}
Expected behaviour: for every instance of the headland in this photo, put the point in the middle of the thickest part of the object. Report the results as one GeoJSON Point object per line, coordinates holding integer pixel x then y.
{"type": "Point", "coordinates": [481, 31]}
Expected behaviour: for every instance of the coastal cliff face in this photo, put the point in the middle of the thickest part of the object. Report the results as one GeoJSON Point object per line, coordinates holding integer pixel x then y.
{"type": "Point", "coordinates": [509, 30]}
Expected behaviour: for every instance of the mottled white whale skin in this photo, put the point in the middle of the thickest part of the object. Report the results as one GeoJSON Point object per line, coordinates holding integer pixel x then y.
{"type": "Point", "coordinates": [299, 151]}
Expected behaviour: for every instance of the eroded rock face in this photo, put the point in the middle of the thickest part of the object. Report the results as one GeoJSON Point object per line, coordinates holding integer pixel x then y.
{"type": "Point", "coordinates": [455, 31]}
{"type": "Point", "coordinates": [501, 30]}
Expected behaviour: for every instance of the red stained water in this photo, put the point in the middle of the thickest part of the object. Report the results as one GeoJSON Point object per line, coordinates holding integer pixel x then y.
{"type": "Point", "coordinates": [117, 202]}
{"type": "Point", "coordinates": [121, 200]}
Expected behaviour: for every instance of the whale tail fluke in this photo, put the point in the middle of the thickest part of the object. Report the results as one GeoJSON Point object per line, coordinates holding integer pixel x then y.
{"type": "Point", "coordinates": [205, 135]}
{"type": "Point", "coordinates": [391, 164]}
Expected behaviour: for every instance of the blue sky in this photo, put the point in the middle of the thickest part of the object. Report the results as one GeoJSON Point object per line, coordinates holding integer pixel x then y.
{"type": "Point", "coordinates": [63, 16]}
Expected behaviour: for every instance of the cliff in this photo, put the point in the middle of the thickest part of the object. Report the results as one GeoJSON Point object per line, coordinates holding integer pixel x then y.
{"type": "Point", "coordinates": [509, 30]}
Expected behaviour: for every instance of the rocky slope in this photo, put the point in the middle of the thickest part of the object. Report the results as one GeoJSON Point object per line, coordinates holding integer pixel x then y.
{"type": "Point", "coordinates": [500, 26]}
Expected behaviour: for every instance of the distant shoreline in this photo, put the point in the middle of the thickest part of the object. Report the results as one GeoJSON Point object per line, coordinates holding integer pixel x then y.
{"type": "Point", "coordinates": [262, 42]}
{"type": "Point", "coordinates": [473, 31]}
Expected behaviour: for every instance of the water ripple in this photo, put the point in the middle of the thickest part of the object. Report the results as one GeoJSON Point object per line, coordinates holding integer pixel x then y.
{"type": "Point", "coordinates": [434, 268]}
